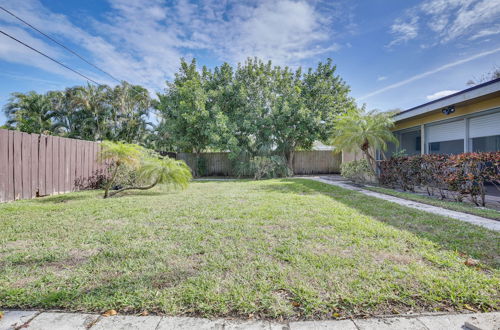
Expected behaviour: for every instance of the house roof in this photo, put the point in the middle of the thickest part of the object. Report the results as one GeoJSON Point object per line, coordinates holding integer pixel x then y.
{"type": "Point", "coordinates": [483, 89]}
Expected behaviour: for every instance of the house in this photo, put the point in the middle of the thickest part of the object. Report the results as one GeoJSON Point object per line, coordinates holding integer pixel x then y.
{"type": "Point", "coordinates": [467, 121]}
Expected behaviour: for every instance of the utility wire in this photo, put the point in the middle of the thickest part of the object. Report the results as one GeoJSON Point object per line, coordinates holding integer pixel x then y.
{"type": "Point", "coordinates": [60, 44]}
{"type": "Point", "coordinates": [132, 89]}
{"type": "Point", "coordinates": [50, 58]}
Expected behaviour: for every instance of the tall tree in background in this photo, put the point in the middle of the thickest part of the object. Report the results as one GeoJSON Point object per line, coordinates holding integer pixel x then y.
{"type": "Point", "coordinates": [30, 112]}
{"type": "Point", "coordinates": [252, 108]}
{"type": "Point", "coordinates": [93, 100]}
{"type": "Point", "coordinates": [256, 109]}
{"type": "Point", "coordinates": [129, 112]}
{"type": "Point", "coordinates": [84, 112]}
{"type": "Point", "coordinates": [306, 107]}
{"type": "Point", "coordinates": [193, 124]}
{"type": "Point", "coordinates": [491, 75]}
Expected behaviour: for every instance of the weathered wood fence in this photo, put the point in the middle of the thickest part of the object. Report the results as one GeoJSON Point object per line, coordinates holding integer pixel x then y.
{"type": "Point", "coordinates": [34, 165]}
{"type": "Point", "coordinates": [305, 162]}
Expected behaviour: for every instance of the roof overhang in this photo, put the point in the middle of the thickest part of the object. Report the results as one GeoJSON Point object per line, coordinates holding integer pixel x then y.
{"type": "Point", "coordinates": [464, 96]}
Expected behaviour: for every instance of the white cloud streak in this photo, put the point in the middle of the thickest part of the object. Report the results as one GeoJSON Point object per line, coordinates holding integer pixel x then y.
{"type": "Point", "coordinates": [428, 73]}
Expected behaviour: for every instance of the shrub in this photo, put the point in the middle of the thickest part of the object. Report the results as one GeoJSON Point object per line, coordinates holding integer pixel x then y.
{"type": "Point", "coordinates": [358, 170]}
{"type": "Point", "coordinates": [455, 176]}
{"type": "Point", "coordinates": [201, 166]}
{"type": "Point", "coordinates": [264, 167]}
{"type": "Point", "coordinates": [134, 167]}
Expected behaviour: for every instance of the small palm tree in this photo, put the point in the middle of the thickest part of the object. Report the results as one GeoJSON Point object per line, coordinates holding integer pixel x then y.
{"type": "Point", "coordinates": [161, 171]}
{"type": "Point", "coordinates": [367, 131]}
{"type": "Point", "coordinates": [118, 154]}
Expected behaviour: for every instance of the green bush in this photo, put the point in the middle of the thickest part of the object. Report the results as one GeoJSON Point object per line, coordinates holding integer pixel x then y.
{"type": "Point", "coordinates": [201, 167]}
{"type": "Point", "coordinates": [264, 167]}
{"type": "Point", "coordinates": [358, 170]}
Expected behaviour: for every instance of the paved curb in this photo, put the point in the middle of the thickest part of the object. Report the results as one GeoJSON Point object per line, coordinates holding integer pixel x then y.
{"type": "Point", "coordinates": [465, 217]}
{"type": "Point", "coordinates": [36, 320]}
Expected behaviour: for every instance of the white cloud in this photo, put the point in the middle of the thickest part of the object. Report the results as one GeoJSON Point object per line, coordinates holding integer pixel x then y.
{"type": "Point", "coordinates": [404, 31]}
{"type": "Point", "coordinates": [285, 31]}
{"type": "Point", "coordinates": [486, 32]}
{"type": "Point", "coordinates": [381, 78]}
{"type": "Point", "coordinates": [142, 40]}
{"type": "Point", "coordinates": [428, 73]}
{"type": "Point", "coordinates": [447, 20]}
{"type": "Point", "coordinates": [440, 94]}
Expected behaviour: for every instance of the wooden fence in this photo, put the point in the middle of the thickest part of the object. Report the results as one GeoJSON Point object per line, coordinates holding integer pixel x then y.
{"type": "Point", "coordinates": [316, 162]}
{"type": "Point", "coordinates": [305, 162]}
{"type": "Point", "coordinates": [34, 165]}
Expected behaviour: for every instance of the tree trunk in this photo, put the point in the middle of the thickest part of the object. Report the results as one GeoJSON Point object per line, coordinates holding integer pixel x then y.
{"type": "Point", "coordinates": [290, 155]}
{"type": "Point", "coordinates": [196, 171]}
{"type": "Point", "coordinates": [133, 188]}
{"type": "Point", "coordinates": [374, 165]}
{"type": "Point", "coordinates": [111, 181]}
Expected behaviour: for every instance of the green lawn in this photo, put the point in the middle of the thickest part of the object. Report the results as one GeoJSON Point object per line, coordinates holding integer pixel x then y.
{"type": "Point", "coordinates": [296, 249]}
{"type": "Point", "coordinates": [455, 206]}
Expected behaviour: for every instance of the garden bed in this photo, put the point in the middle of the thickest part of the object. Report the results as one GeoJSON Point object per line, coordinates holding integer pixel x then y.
{"type": "Point", "coordinates": [491, 211]}
{"type": "Point", "coordinates": [291, 248]}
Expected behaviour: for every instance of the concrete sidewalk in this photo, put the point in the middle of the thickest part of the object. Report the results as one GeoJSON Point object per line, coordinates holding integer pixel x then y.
{"type": "Point", "coordinates": [473, 219]}
{"type": "Point", "coordinates": [36, 320]}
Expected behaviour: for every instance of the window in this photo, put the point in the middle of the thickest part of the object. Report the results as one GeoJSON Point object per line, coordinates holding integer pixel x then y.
{"type": "Point", "coordinates": [446, 138]}
{"type": "Point", "coordinates": [447, 147]}
{"type": "Point", "coordinates": [410, 142]}
{"type": "Point", "coordinates": [485, 143]}
{"type": "Point", "coordinates": [484, 133]}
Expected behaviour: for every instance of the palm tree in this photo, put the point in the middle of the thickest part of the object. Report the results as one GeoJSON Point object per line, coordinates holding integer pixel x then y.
{"type": "Point", "coordinates": [130, 107]}
{"type": "Point", "coordinates": [156, 171]}
{"type": "Point", "coordinates": [365, 131]}
{"type": "Point", "coordinates": [30, 112]}
{"type": "Point", "coordinates": [116, 155]}
{"type": "Point", "coordinates": [94, 103]}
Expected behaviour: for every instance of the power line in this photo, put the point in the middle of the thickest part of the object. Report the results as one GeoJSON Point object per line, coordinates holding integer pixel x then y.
{"type": "Point", "coordinates": [132, 89]}
{"type": "Point", "coordinates": [50, 58]}
{"type": "Point", "coordinates": [60, 44]}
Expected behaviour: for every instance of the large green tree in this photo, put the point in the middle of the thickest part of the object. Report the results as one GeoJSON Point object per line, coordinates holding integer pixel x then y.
{"type": "Point", "coordinates": [194, 123]}
{"type": "Point", "coordinates": [306, 107]}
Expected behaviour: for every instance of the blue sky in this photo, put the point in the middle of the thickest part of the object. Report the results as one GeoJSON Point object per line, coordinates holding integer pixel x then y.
{"type": "Point", "coordinates": [393, 53]}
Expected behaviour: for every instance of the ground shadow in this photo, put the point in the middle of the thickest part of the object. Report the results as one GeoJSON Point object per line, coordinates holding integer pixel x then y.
{"type": "Point", "coordinates": [449, 234]}
{"type": "Point", "coordinates": [63, 198]}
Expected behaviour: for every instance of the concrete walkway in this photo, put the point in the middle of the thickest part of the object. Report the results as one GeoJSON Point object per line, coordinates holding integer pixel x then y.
{"type": "Point", "coordinates": [35, 320]}
{"type": "Point", "coordinates": [473, 219]}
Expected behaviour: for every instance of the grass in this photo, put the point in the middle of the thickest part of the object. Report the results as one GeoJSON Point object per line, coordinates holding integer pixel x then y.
{"type": "Point", "coordinates": [294, 249]}
{"type": "Point", "coordinates": [455, 206]}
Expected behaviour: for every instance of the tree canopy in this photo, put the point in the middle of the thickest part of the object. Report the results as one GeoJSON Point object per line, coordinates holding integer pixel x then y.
{"type": "Point", "coordinates": [87, 112]}
{"type": "Point", "coordinates": [253, 109]}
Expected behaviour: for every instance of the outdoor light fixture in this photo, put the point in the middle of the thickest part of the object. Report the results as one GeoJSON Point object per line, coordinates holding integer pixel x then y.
{"type": "Point", "coordinates": [448, 110]}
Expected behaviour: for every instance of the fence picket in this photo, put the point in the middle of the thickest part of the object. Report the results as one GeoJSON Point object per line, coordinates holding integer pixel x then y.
{"type": "Point", "coordinates": [4, 161]}
{"type": "Point", "coordinates": [18, 168]}
{"type": "Point", "coordinates": [42, 154]}
{"type": "Point", "coordinates": [25, 164]}
{"type": "Point", "coordinates": [34, 164]}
